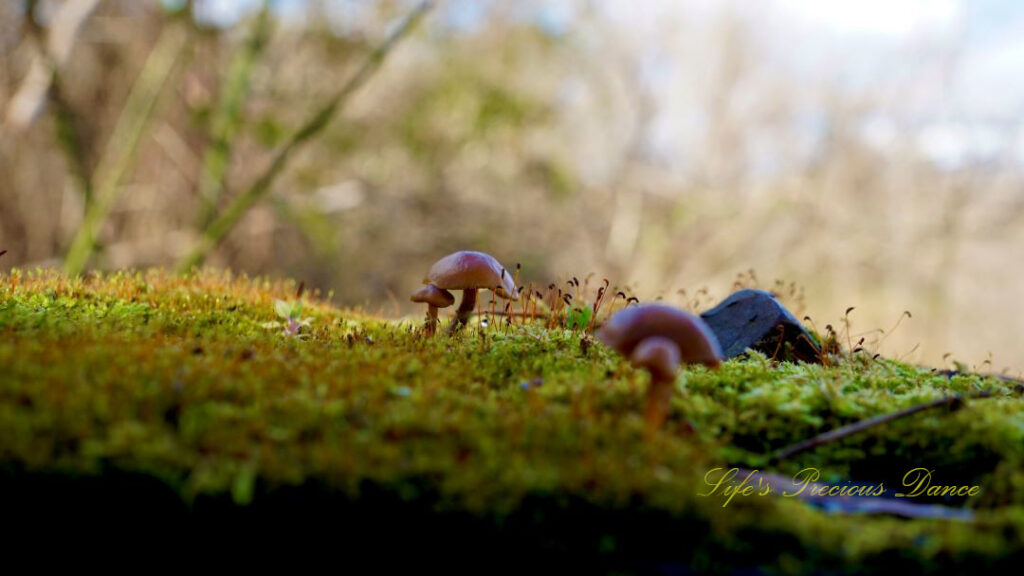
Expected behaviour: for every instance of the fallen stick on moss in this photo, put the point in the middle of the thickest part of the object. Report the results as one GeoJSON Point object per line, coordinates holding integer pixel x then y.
{"type": "Point", "coordinates": [954, 402]}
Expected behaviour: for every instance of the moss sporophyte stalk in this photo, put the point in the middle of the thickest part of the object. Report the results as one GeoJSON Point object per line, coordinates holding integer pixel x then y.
{"type": "Point", "coordinates": [172, 388]}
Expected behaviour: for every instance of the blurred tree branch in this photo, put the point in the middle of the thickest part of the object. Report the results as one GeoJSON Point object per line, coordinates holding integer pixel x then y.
{"type": "Point", "coordinates": [31, 97]}
{"type": "Point", "coordinates": [124, 142]}
{"type": "Point", "coordinates": [228, 116]}
{"type": "Point", "coordinates": [42, 84]}
{"type": "Point", "coordinates": [222, 225]}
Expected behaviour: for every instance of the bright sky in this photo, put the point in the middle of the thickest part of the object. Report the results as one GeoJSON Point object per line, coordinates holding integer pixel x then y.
{"type": "Point", "coordinates": [882, 18]}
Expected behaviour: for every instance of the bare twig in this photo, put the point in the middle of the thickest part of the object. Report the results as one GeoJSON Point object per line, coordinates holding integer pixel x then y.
{"type": "Point", "coordinates": [124, 143]}
{"type": "Point", "coordinates": [223, 224]}
{"type": "Point", "coordinates": [954, 402]}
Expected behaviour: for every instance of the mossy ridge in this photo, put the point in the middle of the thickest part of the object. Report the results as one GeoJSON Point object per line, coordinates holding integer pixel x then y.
{"type": "Point", "coordinates": [179, 378]}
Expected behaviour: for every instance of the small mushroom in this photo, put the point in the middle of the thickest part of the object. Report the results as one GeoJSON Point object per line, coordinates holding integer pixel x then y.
{"type": "Point", "coordinates": [467, 271]}
{"type": "Point", "coordinates": [659, 338]}
{"type": "Point", "coordinates": [435, 298]}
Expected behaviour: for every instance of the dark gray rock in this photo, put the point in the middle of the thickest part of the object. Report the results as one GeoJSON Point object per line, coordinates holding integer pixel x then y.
{"type": "Point", "coordinates": [755, 319]}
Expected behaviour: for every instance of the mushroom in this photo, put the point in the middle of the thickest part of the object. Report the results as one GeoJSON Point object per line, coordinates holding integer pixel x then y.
{"type": "Point", "coordinates": [467, 271]}
{"type": "Point", "coordinates": [659, 338]}
{"type": "Point", "coordinates": [435, 298]}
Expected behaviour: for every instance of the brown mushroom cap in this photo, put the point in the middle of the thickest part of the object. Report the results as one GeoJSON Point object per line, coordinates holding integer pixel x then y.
{"type": "Point", "coordinates": [437, 297]}
{"type": "Point", "coordinates": [469, 270]}
{"type": "Point", "coordinates": [696, 342]}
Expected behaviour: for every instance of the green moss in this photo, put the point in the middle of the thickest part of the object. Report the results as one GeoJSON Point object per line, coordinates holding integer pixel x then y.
{"type": "Point", "coordinates": [190, 380]}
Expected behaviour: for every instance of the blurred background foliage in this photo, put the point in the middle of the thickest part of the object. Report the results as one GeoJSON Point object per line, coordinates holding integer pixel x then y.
{"type": "Point", "coordinates": [669, 146]}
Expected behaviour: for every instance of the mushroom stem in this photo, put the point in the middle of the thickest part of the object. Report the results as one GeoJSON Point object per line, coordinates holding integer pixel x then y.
{"type": "Point", "coordinates": [465, 309]}
{"type": "Point", "coordinates": [660, 357]}
{"type": "Point", "coordinates": [431, 319]}
{"type": "Point", "coordinates": [659, 401]}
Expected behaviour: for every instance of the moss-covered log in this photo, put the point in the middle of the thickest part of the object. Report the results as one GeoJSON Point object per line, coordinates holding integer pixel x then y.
{"type": "Point", "coordinates": [188, 399]}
